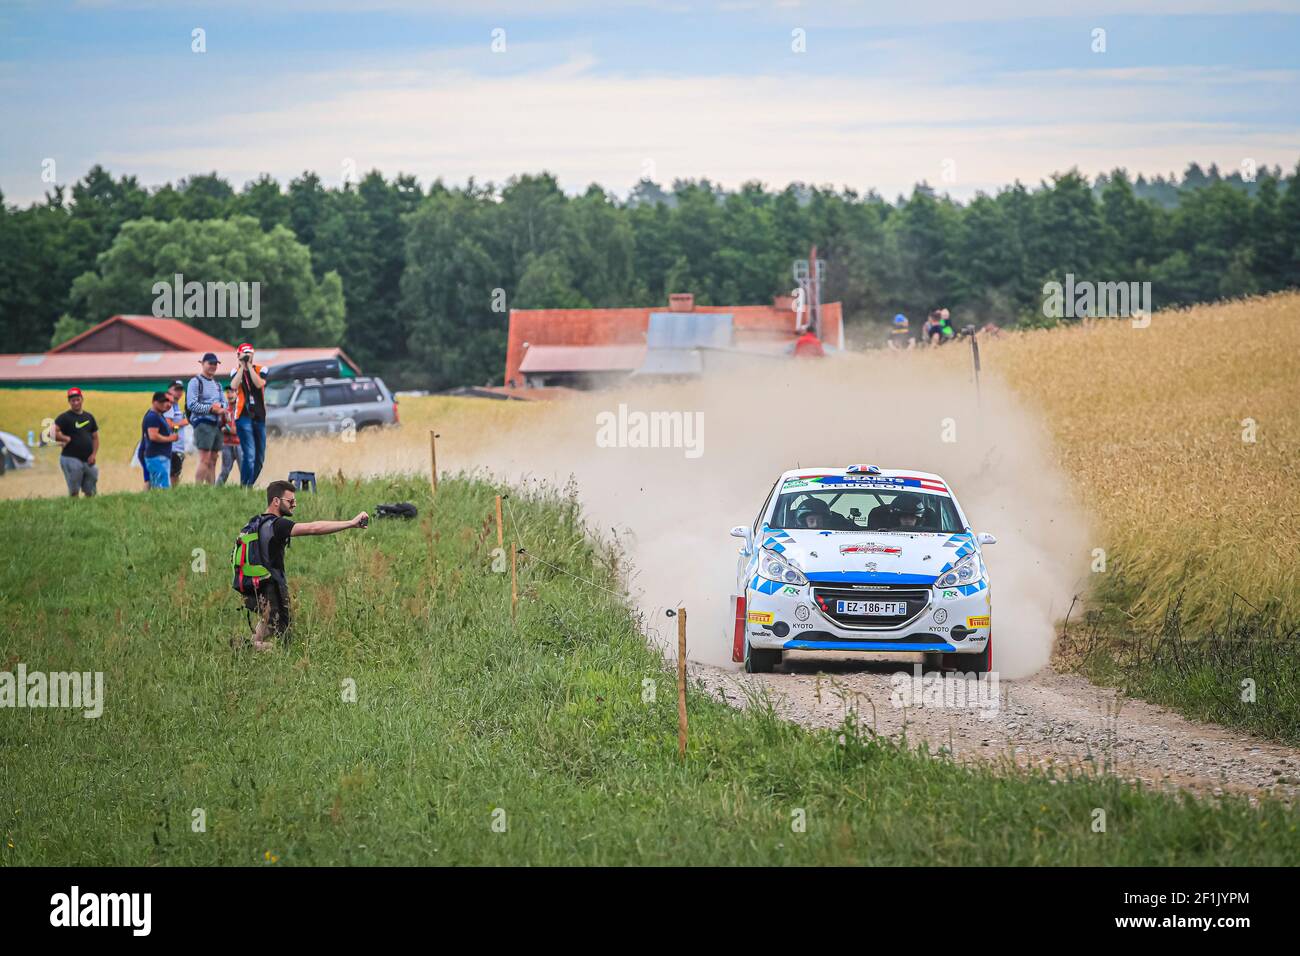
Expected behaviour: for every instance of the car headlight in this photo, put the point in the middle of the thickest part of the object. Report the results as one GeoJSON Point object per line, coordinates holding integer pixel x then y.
{"type": "Point", "coordinates": [966, 571]}
{"type": "Point", "coordinates": [776, 568]}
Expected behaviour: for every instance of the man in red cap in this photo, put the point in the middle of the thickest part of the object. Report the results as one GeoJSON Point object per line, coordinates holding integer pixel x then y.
{"type": "Point", "coordinates": [78, 433]}
{"type": "Point", "coordinates": [249, 383]}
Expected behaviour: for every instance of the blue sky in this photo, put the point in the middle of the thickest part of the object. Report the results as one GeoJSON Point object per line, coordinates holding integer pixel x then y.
{"type": "Point", "coordinates": [966, 96]}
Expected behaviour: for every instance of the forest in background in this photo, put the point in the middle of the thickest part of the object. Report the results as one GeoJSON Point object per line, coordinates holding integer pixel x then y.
{"type": "Point", "coordinates": [415, 282]}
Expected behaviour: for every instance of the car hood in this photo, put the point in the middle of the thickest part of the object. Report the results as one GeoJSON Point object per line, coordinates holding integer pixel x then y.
{"type": "Point", "coordinates": [866, 556]}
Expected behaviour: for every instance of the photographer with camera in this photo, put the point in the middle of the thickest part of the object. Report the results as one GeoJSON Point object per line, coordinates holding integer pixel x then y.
{"type": "Point", "coordinates": [249, 383]}
{"type": "Point", "coordinates": [258, 560]}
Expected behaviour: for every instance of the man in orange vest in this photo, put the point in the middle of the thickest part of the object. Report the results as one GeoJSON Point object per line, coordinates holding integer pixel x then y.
{"type": "Point", "coordinates": [249, 383]}
{"type": "Point", "coordinates": [808, 346]}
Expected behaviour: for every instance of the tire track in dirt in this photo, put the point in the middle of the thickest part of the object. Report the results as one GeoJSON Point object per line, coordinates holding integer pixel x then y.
{"type": "Point", "coordinates": [1049, 720]}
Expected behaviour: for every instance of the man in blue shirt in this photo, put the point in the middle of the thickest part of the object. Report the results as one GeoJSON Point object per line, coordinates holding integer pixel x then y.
{"type": "Point", "coordinates": [204, 400]}
{"type": "Point", "coordinates": [156, 440]}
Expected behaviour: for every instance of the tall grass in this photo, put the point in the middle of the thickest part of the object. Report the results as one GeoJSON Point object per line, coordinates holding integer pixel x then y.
{"type": "Point", "coordinates": [1183, 441]}
{"type": "Point", "coordinates": [565, 723]}
{"type": "Point", "coordinates": [1150, 423]}
{"type": "Point", "coordinates": [1244, 673]}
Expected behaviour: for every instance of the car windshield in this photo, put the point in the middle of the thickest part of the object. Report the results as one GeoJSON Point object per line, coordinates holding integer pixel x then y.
{"type": "Point", "coordinates": [866, 509]}
{"type": "Point", "coordinates": [278, 394]}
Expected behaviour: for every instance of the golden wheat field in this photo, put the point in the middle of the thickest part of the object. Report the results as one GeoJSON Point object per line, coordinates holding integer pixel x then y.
{"type": "Point", "coordinates": [462, 423]}
{"type": "Point", "coordinates": [1182, 439]}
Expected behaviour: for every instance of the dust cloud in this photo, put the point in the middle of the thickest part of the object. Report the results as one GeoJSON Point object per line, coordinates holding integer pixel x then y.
{"type": "Point", "coordinates": [674, 507]}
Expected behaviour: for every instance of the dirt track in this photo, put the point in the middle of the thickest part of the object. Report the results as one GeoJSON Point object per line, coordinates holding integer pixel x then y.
{"type": "Point", "coordinates": [1049, 719]}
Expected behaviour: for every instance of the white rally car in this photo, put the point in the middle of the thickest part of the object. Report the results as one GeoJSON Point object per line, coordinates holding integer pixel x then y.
{"type": "Point", "coordinates": [862, 559]}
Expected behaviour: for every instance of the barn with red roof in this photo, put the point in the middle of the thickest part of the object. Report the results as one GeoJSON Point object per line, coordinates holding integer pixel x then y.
{"type": "Point", "coordinates": [592, 348]}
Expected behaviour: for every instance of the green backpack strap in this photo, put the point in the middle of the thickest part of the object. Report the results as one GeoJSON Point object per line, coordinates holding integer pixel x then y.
{"type": "Point", "coordinates": [261, 534]}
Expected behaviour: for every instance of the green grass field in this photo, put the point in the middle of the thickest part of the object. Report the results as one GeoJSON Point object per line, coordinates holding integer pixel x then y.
{"type": "Point", "coordinates": [461, 720]}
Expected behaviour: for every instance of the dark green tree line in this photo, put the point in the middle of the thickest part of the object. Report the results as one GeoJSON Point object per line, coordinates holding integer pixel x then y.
{"type": "Point", "coordinates": [416, 283]}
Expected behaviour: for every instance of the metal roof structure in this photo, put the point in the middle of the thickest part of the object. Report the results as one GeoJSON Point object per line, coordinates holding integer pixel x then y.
{"type": "Point", "coordinates": [134, 371]}
{"type": "Point", "coordinates": [170, 335]}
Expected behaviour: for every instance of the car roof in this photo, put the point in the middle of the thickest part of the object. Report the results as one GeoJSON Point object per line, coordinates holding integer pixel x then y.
{"type": "Point", "coordinates": [364, 379]}
{"type": "Point", "coordinates": [813, 472]}
{"type": "Point", "coordinates": [925, 481]}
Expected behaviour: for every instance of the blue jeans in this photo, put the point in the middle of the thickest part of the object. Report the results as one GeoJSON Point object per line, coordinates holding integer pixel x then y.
{"type": "Point", "coordinates": [252, 448]}
{"type": "Point", "coordinates": [159, 470]}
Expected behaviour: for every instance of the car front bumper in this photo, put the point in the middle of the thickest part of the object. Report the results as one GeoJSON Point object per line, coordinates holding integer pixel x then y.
{"type": "Point", "coordinates": [940, 620]}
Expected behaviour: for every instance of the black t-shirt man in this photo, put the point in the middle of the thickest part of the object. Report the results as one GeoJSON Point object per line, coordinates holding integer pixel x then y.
{"type": "Point", "coordinates": [79, 427]}
{"type": "Point", "coordinates": [271, 598]}
{"type": "Point", "coordinates": [281, 533]}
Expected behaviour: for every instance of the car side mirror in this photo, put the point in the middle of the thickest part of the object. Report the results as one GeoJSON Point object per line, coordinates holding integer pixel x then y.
{"type": "Point", "coordinates": [742, 531]}
{"type": "Point", "coordinates": [985, 538]}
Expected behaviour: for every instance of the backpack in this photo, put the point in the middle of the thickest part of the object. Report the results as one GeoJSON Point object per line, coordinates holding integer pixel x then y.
{"type": "Point", "coordinates": [251, 554]}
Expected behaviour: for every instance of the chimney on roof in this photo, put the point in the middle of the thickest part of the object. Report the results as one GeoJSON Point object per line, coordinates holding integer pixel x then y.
{"type": "Point", "coordinates": [681, 302]}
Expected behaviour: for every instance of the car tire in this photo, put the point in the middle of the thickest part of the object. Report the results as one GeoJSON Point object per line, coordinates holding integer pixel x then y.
{"type": "Point", "coordinates": [760, 660]}
{"type": "Point", "coordinates": [273, 433]}
{"type": "Point", "coordinates": [980, 663]}
{"type": "Point", "coordinates": [932, 662]}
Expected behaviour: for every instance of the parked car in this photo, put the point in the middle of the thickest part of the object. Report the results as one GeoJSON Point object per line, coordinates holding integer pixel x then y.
{"type": "Point", "coordinates": [862, 559]}
{"type": "Point", "coordinates": [320, 406]}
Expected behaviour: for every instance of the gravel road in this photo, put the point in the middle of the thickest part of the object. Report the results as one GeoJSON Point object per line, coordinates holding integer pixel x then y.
{"type": "Point", "coordinates": [1050, 719]}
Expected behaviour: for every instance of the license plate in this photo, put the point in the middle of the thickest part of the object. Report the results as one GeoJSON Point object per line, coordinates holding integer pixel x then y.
{"type": "Point", "coordinates": [872, 608]}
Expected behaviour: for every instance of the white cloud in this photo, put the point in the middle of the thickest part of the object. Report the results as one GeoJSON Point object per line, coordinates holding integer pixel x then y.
{"type": "Point", "coordinates": [863, 133]}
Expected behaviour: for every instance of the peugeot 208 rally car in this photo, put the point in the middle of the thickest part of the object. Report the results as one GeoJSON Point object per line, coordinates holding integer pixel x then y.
{"type": "Point", "coordinates": [862, 559]}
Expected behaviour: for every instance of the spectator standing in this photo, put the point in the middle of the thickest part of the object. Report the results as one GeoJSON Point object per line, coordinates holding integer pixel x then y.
{"type": "Point", "coordinates": [204, 401]}
{"type": "Point", "coordinates": [156, 439]}
{"type": "Point", "coordinates": [930, 334]}
{"type": "Point", "coordinates": [181, 426]}
{"type": "Point", "coordinates": [900, 336]}
{"type": "Point", "coordinates": [229, 438]}
{"type": "Point", "coordinates": [249, 383]}
{"type": "Point", "coordinates": [808, 345]}
{"type": "Point", "coordinates": [946, 332]}
{"type": "Point", "coordinates": [78, 432]}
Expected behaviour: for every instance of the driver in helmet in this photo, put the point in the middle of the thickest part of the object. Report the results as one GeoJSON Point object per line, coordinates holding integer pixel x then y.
{"type": "Point", "coordinates": [908, 511]}
{"type": "Point", "coordinates": [813, 513]}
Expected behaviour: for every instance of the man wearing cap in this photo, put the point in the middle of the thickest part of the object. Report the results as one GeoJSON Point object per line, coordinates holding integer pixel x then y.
{"type": "Point", "coordinates": [78, 433]}
{"type": "Point", "coordinates": [900, 337]}
{"type": "Point", "coordinates": [249, 383]}
{"type": "Point", "coordinates": [179, 424]}
{"type": "Point", "coordinates": [204, 400]}
{"type": "Point", "coordinates": [156, 441]}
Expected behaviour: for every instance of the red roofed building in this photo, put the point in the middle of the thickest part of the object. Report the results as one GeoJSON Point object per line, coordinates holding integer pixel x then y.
{"type": "Point", "coordinates": [140, 353]}
{"type": "Point", "coordinates": [142, 333]}
{"type": "Point", "coordinates": [588, 348]}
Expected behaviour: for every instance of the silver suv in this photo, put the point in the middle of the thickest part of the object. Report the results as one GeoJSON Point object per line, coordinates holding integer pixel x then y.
{"type": "Point", "coordinates": [319, 406]}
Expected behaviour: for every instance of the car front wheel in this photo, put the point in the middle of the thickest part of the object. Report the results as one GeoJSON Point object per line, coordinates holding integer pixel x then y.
{"type": "Point", "coordinates": [760, 660]}
{"type": "Point", "coordinates": [980, 663]}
